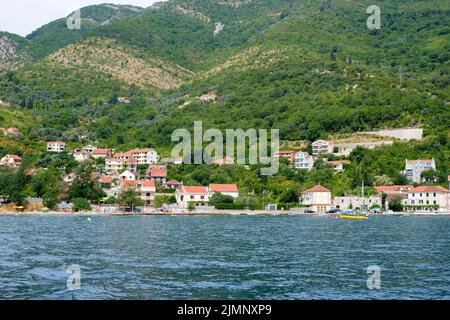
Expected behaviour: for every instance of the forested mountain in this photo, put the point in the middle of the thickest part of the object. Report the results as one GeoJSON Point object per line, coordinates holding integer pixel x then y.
{"type": "Point", "coordinates": [308, 67]}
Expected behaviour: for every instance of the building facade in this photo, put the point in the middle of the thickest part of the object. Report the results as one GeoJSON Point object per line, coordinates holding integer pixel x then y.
{"type": "Point", "coordinates": [56, 146]}
{"type": "Point", "coordinates": [427, 198]}
{"type": "Point", "coordinates": [303, 160]}
{"type": "Point", "coordinates": [11, 160]}
{"type": "Point", "coordinates": [191, 194]}
{"type": "Point", "coordinates": [355, 202]}
{"type": "Point", "coordinates": [318, 198]}
{"type": "Point", "coordinates": [321, 147]}
{"type": "Point", "coordinates": [414, 168]}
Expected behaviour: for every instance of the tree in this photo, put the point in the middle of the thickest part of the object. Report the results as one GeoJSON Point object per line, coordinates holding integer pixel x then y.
{"type": "Point", "coordinates": [430, 176]}
{"type": "Point", "coordinates": [396, 205]}
{"type": "Point", "coordinates": [12, 185]}
{"type": "Point", "coordinates": [218, 198]}
{"type": "Point", "coordinates": [130, 198]}
{"type": "Point", "coordinates": [80, 204]}
{"type": "Point", "coordinates": [289, 196]}
{"type": "Point", "coordinates": [47, 184]}
{"type": "Point", "coordinates": [84, 186]}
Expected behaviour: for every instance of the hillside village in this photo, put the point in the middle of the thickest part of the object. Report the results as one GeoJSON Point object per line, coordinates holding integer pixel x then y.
{"type": "Point", "coordinates": [144, 176]}
{"type": "Point", "coordinates": [80, 109]}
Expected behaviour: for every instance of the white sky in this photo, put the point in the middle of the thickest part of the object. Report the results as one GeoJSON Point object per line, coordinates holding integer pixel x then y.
{"type": "Point", "coordinates": [24, 16]}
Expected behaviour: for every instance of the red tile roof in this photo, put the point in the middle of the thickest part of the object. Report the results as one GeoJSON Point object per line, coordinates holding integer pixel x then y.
{"type": "Point", "coordinates": [426, 160]}
{"type": "Point", "coordinates": [140, 150]}
{"type": "Point", "coordinates": [429, 189]}
{"type": "Point", "coordinates": [13, 156]}
{"type": "Point", "coordinates": [101, 151]}
{"type": "Point", "coordinates": [148, 184]}
{"type": "Point", "coordinates": [317, 188]}
{"type": "Point", "coordinates": [214, 187]}
{"type": "Point", "coordinates": [195, 190]}
{"type": "Point", "coordinates": [174, 182]}
{"type": "Point", "coordinates": [106, 179]}
{"type": "Point", "coordinates": [157, 170]}
{"type": "Point", "coordinates": [390, 189]}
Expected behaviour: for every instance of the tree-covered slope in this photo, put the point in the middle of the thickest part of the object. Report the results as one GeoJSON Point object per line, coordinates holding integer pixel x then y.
{"type": "Point", "coordinates": [310, 68]}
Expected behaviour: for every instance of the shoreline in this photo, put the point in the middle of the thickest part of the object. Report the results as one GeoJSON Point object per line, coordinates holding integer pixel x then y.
{"type": "Point", "coordinates": [221, 213]}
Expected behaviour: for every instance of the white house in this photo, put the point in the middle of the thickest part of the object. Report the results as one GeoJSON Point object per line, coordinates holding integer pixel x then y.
{"type": "Point", "coordinates": [338, 165]}
{"type": "Point", "coordinates": [303, 160]}
{"type": "Point", "coordinates": [128, 175]}
{"type": "Point", "coordinates": [145, 189]}
{"type": "Point", "coordinates": [81, 156]}
{"type": "Point", "coordinates": [101, 153]}
{"type": "Point", "coordinates": [187, 194]}
{"type": "Point", "coordinates": [11, 160]}
{"type": "Point", "coordinates": [142, 156]}
{"type": "Point", "coordinates": [113, 164]}
{"type": "Point", "coordinates": [427, 198]}
{"type": "Point", "coordinates": [321, 146]}
{"type": "Point", "coordinates": [56, 146]}
{"type": "Point", "coordinates": [225, 189]}
{"type": "Point", "coordinates": [414, 168]}
{"type": "Point", "coordinates": [318, 198]}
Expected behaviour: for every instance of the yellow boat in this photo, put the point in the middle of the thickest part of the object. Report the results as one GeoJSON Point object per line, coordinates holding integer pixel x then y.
{"type": "Point", "coordinates": [346, 216]}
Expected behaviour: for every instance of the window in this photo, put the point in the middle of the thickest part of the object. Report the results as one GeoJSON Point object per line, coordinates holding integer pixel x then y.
{"type": "Point", "coordinates": [192, 197]}
{"type": "Point", "coordinates": [202, 197]}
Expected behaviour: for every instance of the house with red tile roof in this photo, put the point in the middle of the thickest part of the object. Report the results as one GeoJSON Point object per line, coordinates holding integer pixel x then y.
{"type": "Point", "coordinates": [145, 189]}
{"type": "Point", "coordinates": [290, 155]}
{"type": "Point", "coordinates": [101, 153]}
{"type": "Point", "coordinates": [157, 173]}
{"type": "Point", "coordinates": [12, 132]}
{"type": "Point", "coordinates": [394, 192]}
{"type": "Point", "coordinates": [142, 156]}
{"type": "Point", "coordinates": [225, 189]}
{"type": "Point", "coordinates": [187, 194]}
{"type": "Point", "coordinates": [173, 184]}
{"type": "Point", "coordinates": [11, 160]}
{"type": "Point", "coordinates": [113, 164]}
{"type": "Point", "coordinates": [427, 198]}
{"type": "Point", "coordinates": [318, 198]}
{"type": "Point", "coordinates": [338, 165]}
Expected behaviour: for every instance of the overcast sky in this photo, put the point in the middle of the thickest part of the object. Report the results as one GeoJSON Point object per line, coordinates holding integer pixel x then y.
{"type": "Point", "coordinates": [24, 16]}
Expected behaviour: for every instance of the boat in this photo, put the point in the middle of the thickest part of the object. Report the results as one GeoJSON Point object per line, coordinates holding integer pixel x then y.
{"type": "Point", "coordinates": [347, 216]}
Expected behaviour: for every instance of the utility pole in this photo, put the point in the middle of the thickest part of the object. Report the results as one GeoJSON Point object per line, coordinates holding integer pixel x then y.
{"type": "Point", "coordinates": [362, 194]}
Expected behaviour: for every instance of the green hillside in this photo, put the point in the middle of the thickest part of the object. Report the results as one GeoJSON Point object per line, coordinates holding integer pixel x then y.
{"type": "Point", "coordinates": [56, 35]}
{"type": "Point", "coordinates": [310, 68]}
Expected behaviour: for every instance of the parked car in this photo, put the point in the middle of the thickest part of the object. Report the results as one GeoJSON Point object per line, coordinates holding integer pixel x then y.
{"type": "Point", "coordinates": [333, 210]}
{"type": "Point", "coordinates": [376, 211]}
{"type": "Point", "coordinates": [309, 211]}
{"type": "Point", "coordinates": [349, 211]}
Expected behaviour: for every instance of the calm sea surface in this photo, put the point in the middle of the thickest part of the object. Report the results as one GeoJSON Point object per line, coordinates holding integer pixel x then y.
{"type": "Point", "coordinates": [224, 257]}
